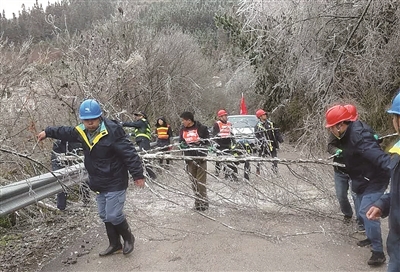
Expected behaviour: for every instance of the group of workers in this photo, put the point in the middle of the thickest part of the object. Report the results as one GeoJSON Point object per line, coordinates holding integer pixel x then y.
{"type": "Point", "coordinates": [143, 135]}
{"type": "Point", "coordinates": [265, 132]}
{"type": "Point", "coordinates": [368, 170]}
{"type": "Point", "coordinates": [109, 155]}
{"type": "Point", "coordinates": [194, 140]}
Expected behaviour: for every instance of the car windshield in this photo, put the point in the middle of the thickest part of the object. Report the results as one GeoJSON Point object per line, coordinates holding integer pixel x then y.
{"type": "Point", "coordinates": [243, 121]}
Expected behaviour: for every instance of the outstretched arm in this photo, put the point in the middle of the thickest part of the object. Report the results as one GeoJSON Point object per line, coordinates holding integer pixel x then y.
{"type": "Point", "coordinates": [62, 133]}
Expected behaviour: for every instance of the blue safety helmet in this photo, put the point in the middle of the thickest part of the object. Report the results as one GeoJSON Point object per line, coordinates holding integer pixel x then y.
{"type": "Point", "coordinates": [89, 109]}
{"type": "Point", "coordinates": [395, 108]}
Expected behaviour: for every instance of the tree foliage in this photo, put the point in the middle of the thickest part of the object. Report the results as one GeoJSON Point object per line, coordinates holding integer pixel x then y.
{"type": "Point", "coordinates": [124, 62]}
{"type": "Point", "coordinates": [319, 53]}
{"type": "Point", "coordinates": [292, 58]}
{"type": "Point", "coordinates": [65, 15]}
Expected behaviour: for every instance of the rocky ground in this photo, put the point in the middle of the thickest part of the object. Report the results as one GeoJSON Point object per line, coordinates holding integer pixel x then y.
{"type": "Point", "coordinates": [40, 235]}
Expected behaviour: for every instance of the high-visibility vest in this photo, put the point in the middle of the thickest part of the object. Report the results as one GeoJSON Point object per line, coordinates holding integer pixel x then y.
{"type": "Point", "coordinates": [191, 136]}
{"type": "Point", "coordinates": [162, 133]}
{"type": "Point", "coordinates": [144, 132]}
{"type": "Point", "coordinates": [224, 129]}
{"type": "Point", "coordinates": [265, 131]}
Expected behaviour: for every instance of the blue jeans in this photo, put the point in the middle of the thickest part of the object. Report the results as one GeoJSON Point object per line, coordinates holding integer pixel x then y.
{"type": "Point", "coordinates": [372, 227]}
{"type": "Point", "coordinates": [342, 185]}
{"type": "Point", "coordinates": [357, 204]}
{"type": "Point", "coordinates": [110, 206]}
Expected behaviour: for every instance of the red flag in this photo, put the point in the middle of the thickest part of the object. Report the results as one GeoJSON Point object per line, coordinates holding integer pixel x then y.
{"type": "Point", "coordinates": [243, 108]}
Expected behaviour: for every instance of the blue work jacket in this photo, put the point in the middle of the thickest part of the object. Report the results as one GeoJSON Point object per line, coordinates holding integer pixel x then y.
{"type": "Point", "coordinates": [108, 156]}
{"type": "Point", "coordinates": [366, 163]}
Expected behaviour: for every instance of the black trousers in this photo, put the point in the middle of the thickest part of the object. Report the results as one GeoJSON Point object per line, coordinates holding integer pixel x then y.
{"type": "Point", "coordinates": [230, 165]}
{"type": "Point", "coordinates": [264, 152]}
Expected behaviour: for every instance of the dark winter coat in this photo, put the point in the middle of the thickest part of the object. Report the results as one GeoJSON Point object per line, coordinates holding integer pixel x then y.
{"type": "Point", "coordinates": [203, 144]}
{"type": "Point", "coordinates": [390, 205]}
{"type": "Point", "coordinates": [108, 158]}
{"type": "Point", "coordinates": [268, 135]}
{"type": "Point", "coordinates": [366, 163]}
{"type": "Point", "coordinates": [142, 129]}
{"type": "Point", "coordinates": [333, 144]}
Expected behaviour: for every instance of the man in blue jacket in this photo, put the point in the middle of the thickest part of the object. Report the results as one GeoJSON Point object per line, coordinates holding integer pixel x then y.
{"type": "Point", "coordinates": [389, 204]}
{"type": "Point", "coordinates": [109, 155]}
{"type": "Point", "coordinates": [368, 167]}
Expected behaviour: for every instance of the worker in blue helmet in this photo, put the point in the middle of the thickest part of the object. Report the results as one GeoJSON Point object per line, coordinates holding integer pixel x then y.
{"type": "Point", "coordinates": [109, 156]}
{"type": "Point", "coordinates": [389, 204]}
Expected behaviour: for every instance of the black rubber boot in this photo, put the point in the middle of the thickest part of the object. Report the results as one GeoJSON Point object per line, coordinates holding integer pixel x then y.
{"type": "Point", "coordinates": [127, 235]}
{"type": "Point", "coordinates": [113, 238]}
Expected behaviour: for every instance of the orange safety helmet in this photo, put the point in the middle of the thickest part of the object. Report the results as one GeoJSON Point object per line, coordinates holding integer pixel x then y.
{"type": "Point", "coordinates": [222, 113]}
{"type": "Point", "coordinates": [260, 113]}
{"type": "Point", "coordinates": [337, 114]}
{"type": "Point", "coordinates": [353, 111]}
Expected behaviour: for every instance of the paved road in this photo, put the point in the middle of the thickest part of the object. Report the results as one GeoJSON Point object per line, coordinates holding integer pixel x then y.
{"type": "Point", "coordinates": [242, 231]}
{"type": "Point", "coordinates": [191, 242]}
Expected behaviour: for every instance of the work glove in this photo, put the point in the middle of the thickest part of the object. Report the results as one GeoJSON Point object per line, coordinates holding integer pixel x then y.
{"type": "Point", "coordinates": [338, 153]}
{"type": "Point", "coordinates": [213, 148]}
{"type": "Point", "coordinates": [183, 145]}
{"type": "Point", "coordinates": [376, 137]}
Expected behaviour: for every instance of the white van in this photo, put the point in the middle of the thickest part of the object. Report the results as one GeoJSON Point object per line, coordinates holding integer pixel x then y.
{"type": "Point", "coordinates": [243, 127]}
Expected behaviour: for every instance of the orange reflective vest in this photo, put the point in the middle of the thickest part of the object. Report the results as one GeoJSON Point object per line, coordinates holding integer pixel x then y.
{"type": "Point", "coordinates": [162, 133]}
{"type": "Point", "coordinates": [224, 129]}
{"type": "Point", "coordinates": [191, 136]}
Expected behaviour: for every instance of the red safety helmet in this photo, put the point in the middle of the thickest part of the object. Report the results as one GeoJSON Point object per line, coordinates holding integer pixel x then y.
{"type": "Point", "coordinates": [353, 110]}
{"type": "Point", "coordinates": [222, 113]}
{"type": "Point", "coordinates": [260, 113]}
{"type": "Point", "coordinates": [337, 114]}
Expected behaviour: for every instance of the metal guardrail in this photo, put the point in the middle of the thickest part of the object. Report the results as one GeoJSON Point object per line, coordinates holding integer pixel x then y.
{"type": "Point", "coordinates": [23, 193]}
{"type": "Point", "coordinates": [26, 192]}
